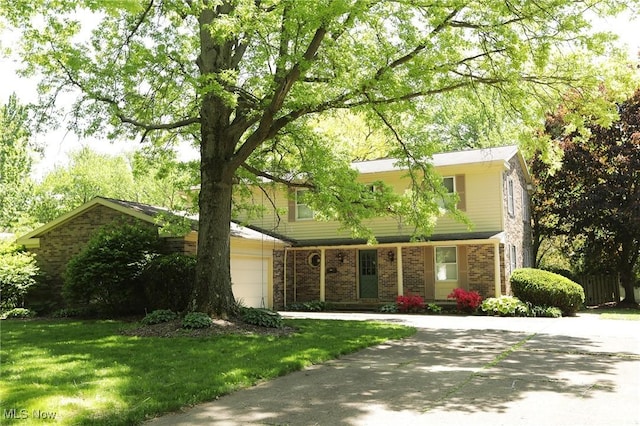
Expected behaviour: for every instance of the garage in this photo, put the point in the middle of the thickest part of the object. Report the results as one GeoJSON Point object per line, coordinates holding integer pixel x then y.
{"type": "Point", "coordinates": [250, 278]}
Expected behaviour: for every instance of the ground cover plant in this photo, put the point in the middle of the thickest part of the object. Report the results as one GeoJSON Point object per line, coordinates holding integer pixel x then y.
{"type": "Point", "coordinates": [88, 372]}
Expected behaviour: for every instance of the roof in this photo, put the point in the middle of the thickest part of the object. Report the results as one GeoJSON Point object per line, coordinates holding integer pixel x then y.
{"type": "Point", "coordinates": [147, 213]}
{"type": "Point", "coordinates": [463, 236]}
{"type": "Point", "coordinates": [500, 154]}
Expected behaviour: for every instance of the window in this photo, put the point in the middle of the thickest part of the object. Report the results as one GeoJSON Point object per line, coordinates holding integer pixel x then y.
{"type": "Point", "coordinates": [446, 264]}
{"type": "Point", "coordinates": [510, 199]}
{"type": "Point", "coordinates": [303, 212]}
{"type": "Point", "coordinates": [526, 216]}
{"type": "Point", "coordinates": [513, 257]}
{"type": "Point", "coordinates": [450, 185]}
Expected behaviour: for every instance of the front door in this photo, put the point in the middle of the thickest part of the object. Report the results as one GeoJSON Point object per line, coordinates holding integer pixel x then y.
{"type": "Point", "coordinates": [368, 274]}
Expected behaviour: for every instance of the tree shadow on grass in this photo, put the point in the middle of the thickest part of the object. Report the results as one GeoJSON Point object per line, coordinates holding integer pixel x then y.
{"type": "Point", "coordinates": [468, 371]}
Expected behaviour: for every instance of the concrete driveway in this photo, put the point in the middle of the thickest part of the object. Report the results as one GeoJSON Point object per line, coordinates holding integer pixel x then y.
{"type": "Point", "coordinates": [453, 371]}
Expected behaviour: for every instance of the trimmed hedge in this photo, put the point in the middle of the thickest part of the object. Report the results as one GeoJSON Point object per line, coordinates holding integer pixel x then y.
{"type": "Point", "coordinates": [545, 288]}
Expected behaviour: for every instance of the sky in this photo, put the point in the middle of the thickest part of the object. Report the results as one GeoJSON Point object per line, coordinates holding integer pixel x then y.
{"type": "Point", "coordinates": [59, 143]}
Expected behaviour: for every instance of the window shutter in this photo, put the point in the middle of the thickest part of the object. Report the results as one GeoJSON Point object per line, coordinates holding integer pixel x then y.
{"type": "Point", "coordinates": [463, 268]}
{"type": "Point", "coordinates": [460, 189]}
{"type": "Point", "coordinates": [292, 205]}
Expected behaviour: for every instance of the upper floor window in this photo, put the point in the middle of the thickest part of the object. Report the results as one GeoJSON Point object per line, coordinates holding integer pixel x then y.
{"type": "Point", "coordinates": [446, 263]}
{"type": "Point", "coordinates": [510, 197]}
{"type": "Point", "coordinates": [303, 211]}
{"type": "Point", "coordinates": [449, 183]}
{"type": "Point", "coordinates": [526, 213]}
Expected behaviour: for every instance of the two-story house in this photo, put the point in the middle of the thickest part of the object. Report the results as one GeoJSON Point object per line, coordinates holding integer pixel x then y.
{"type": "Point", "coordinates": [324, 263]}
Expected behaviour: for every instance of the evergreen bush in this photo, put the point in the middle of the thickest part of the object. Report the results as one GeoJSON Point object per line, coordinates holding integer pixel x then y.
{"type": "Point", "coordinates": [106, 274]}
{"type": "Point", "coordinates": [543, 288]}
{"type": "Point", "coordinates": [169, 280]}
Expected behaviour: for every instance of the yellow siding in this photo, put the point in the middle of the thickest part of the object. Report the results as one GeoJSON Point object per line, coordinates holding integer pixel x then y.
{"type": "Point", "coordinates": [483, 207]}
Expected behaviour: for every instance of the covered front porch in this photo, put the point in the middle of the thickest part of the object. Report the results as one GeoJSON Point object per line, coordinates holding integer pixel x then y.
{"type": "Point", "coordinates": [366, 275]}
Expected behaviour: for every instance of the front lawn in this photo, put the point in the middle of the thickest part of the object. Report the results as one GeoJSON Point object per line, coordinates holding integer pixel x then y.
{"type": "Point", "coordinates": [86, 372]}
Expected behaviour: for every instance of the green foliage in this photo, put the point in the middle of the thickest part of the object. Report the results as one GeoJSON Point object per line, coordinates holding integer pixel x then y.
{"type": "Point", "coordinates": [505, 306]}
{"type": "Point", "coordinates": [154, 74]}
{"type": "Point", "coordinates": [18, 313]}
{"type": "Point", "coordinates": [545, 288]}
{"type": "Point", "coordinates": [168, 281]}
{"type": "Point", "coordinates": [196, 320]}
{"type": "Point", "coordinates": [15, 163]}
{"type": "Point", "coordinates": [159, 316]}
{"type": "Point", "coordinates": [79, 312]}
{"type": "Point", "coordinates": [106, 273]}
{"type": "Point", "coordinates": [313, 306]}
{"type": "Point", "coordinates": [546, 311]}
{"type": "Point", "coordinates": [433, 308]}
{"type": "Point", "coordinates": [389, 308]}
{"type": "Point", "coordinates": [18, 273]}
{"type": "Point", "coordinates": [261, 317]}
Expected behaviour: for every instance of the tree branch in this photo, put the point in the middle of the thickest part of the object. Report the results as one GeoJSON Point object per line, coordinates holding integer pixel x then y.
{"type": "Point", "coordinates": [277, 179]}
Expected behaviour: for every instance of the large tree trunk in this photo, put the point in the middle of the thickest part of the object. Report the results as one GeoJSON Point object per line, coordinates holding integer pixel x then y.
{"type": "Point", "coordinates": [627, 258]}
{"type": "Point", "coordinates": [212, 291]}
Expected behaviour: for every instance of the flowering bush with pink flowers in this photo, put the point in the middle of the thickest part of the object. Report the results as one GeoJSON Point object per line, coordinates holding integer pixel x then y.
{"type": "Point", "coordinates": [467, 301]}
{"type": "Point", "coordinates": [410, 303]}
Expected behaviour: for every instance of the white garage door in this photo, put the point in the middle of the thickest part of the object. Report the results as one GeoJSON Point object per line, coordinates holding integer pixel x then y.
{"type": "Point", "coordinates": [249, 276]}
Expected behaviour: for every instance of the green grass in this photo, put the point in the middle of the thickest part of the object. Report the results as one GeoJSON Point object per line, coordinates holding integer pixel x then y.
{"type": "Point", "coordinates": [628, 314]}
{"type": "Point", "coordinates": [88, 373]}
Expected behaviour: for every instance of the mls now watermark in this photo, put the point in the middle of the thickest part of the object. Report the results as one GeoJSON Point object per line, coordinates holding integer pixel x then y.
{"type": "Point", "coordinates": [23, 414]}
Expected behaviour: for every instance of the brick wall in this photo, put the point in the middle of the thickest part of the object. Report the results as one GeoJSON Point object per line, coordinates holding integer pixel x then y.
{"type": "Point", "coordinates": [517, 227]}
{"type": "Point", "coordinates": [413, 277]}
{"type": "Point", "coordinates": [341, 285]}
{"type": "Point", "coordinates": [60, 244]}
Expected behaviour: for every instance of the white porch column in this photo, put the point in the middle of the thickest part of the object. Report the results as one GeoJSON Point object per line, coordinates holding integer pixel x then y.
{"type": "Point", "coordinates": [496, 267]}
{"type": "Point", "coordinates": [399, 265]}
{"type": "Point", "coordinates": [323, 271]}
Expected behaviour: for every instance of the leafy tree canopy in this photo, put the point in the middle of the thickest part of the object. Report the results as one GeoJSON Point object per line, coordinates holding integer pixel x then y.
{"type": "Point", "coordinates": [594, 198]}
{"type": "Point", "coordinates": [247, 80]}
{"type": "Point", "coordinates": [16, 150]}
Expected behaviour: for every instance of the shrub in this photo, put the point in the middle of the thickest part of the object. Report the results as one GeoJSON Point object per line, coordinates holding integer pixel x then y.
{"type": "Point", "coordinates": [168, 281]}
{"type": "Point", "coordinates": [466, 301]}
{"type": "Point", "coordinates": [389, 308]}
{"type": "Point", "coordinates": [18, 313]}
{"type": "Point", "coordinates": [433, 308]}
{"type": "Point", "coordinates": [261, 317]}
{"type": "Point", "coordinates": [410, 303]}
{"type": "Point", "coordinates": [545, 288]}
{"type": "Point", "coordinates": [546, 311]}
{"type": "Point", "coordinates": [107, 272]}
{"type": "Point", "coordinates": [196, 320]}
{"type": "Point", "coordinates": [505, 306]}
{"type": "Point", "coordinates": [18, 272]}
{"type": "Point", "coordinates": [159, 316]}
{"type": "Point", "coordinates": [313, 306]}
{"type": "Point", "coordinates": [83, 312]}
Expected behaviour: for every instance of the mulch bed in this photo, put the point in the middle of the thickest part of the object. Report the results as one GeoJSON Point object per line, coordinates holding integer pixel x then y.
{"type": "Point", "coordinates": [219, 327]}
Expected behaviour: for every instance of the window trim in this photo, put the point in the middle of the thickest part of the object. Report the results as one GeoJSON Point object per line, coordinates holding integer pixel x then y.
{"type": "Point", "coordinates": [436, 263]}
